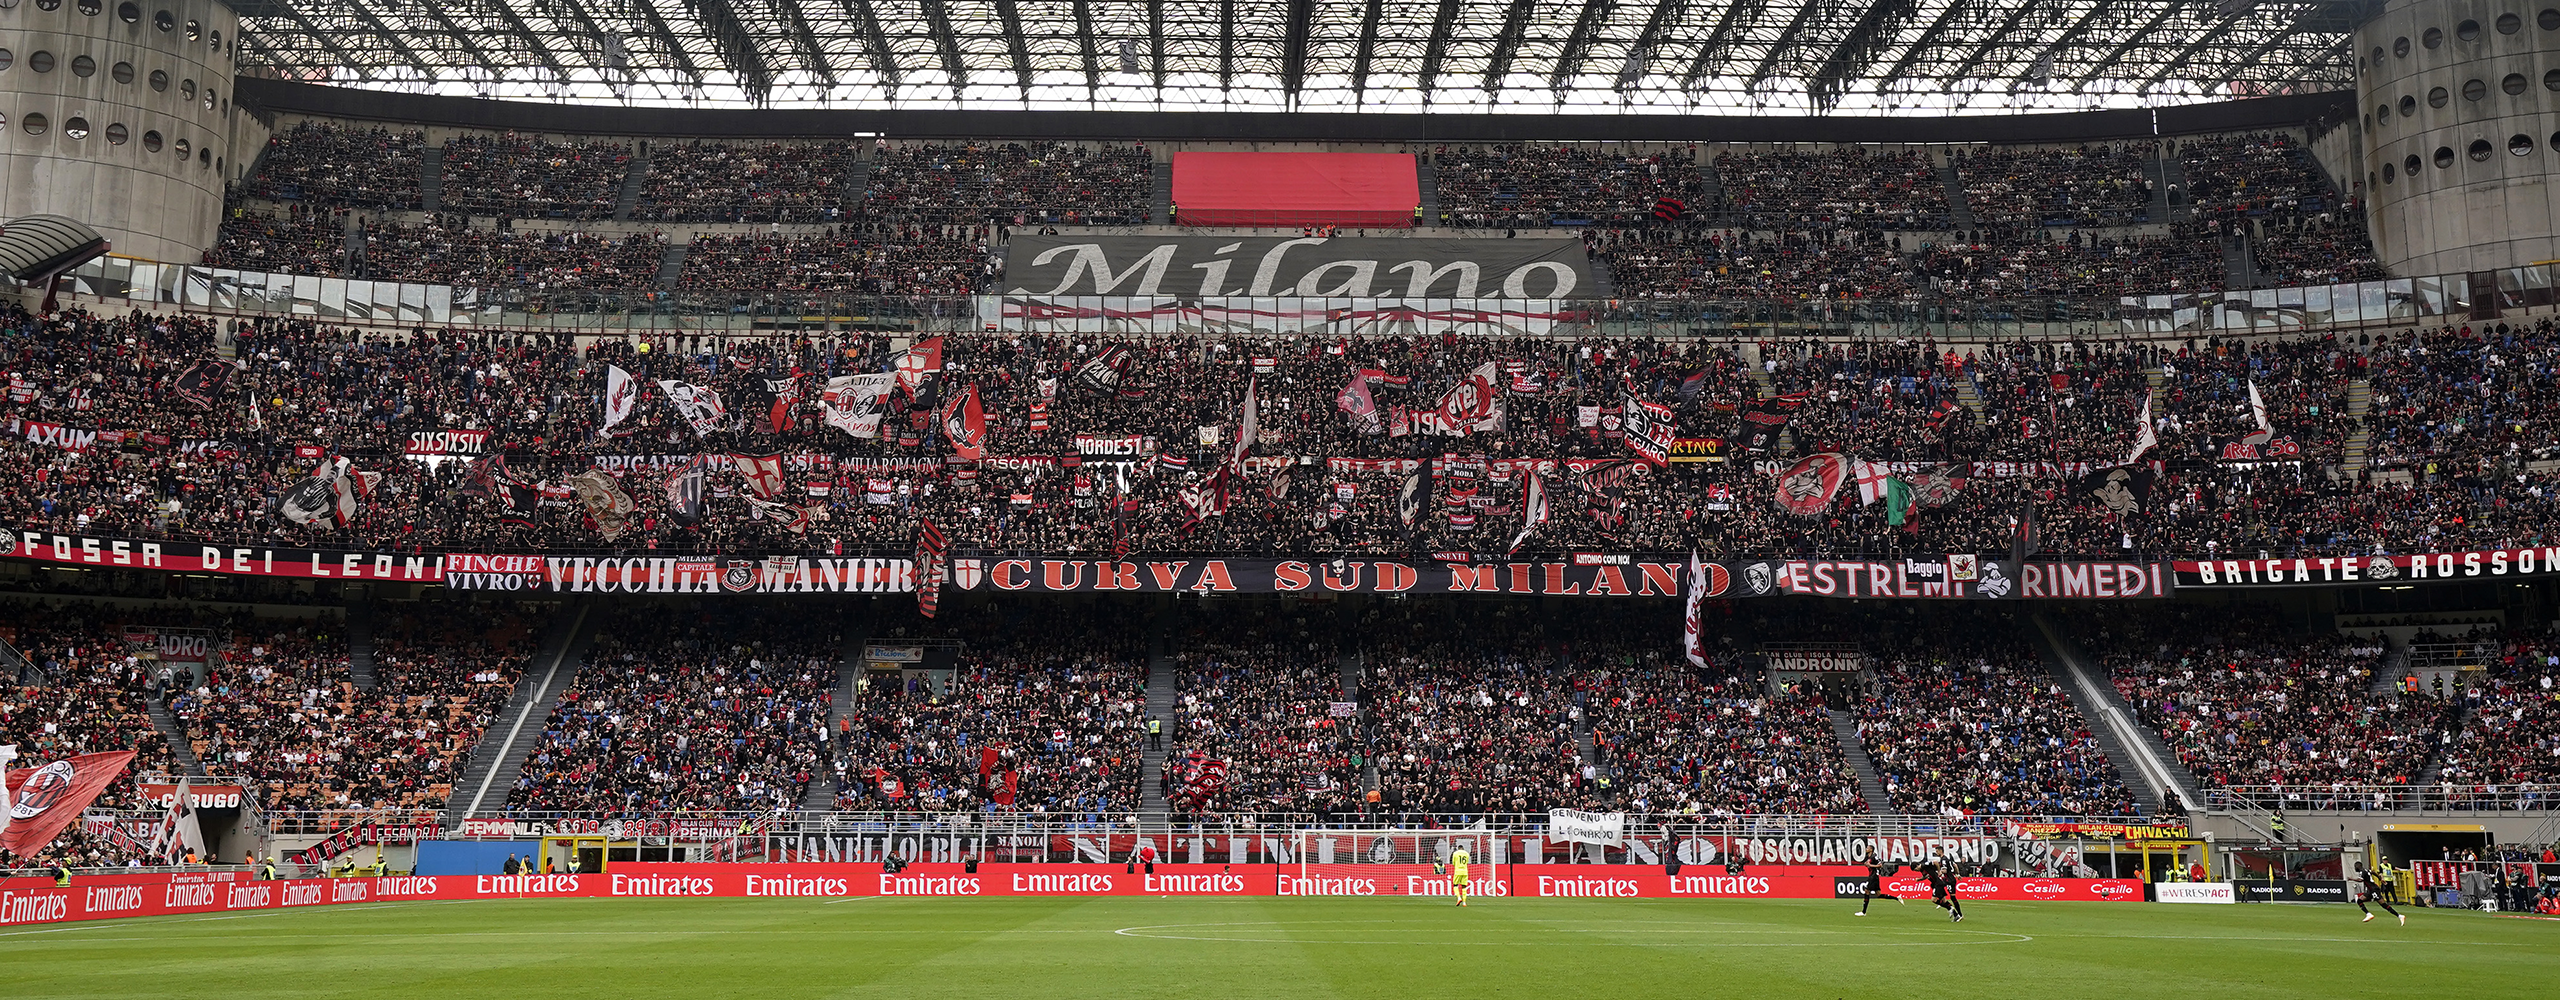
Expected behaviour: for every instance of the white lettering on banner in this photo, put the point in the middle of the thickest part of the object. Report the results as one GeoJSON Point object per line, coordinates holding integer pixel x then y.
{"type": "Point", "coordinates": [246, 897]}
{"type": "Point", "coordinates": [1550, 886]}
{"type": "Point", "coordinates": [114, 898]}
{"type": "Point", "coordinates": [177, 896]}
{"type": "Point", "coordinates": [1578, 827]}
{"type": "Point", "coordinates": [349, 891]}
{"type": "Point", "coordinates": [1090, 884]}
{"type": "Point", "coordinates": [1719, 885]}
{"type": "Point", "coordinates": [403, 886]}
{"type": "Point", "coordinates": [1427, 885]}
{"type": "Point", "coordinates": [34, 909]}
{"type": "Point", "coordinates": [661, 885]}
{"type": "Point", "coordinates": [929, 885]}
{"type": "Point", "coordinates": [760, 885]}
{"type": "Point", "coordinates": [1220, 884]}
{"type": "Point", "coordinates": [304, 894]}
{"type": "Point", "coordinates": [1087, 444]}
{"type": "Point", "coordinates": [524, 884]}
{"type": "Point", "coordinates": [444, 443]}
{"type": "Point", "coordinates": [1317, 886]}
{"type": "Point", "coordinates": [2194, 892]}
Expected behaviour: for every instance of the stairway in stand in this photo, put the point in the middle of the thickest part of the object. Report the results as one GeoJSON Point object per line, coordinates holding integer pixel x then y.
{"type": "Point", "coordinates": [1163, 689]}
{"type": "Point", "coordinates": [431, 178]}
{"type": "Point", "coordinates": [1854, 747]}
{"type": "Point", "coordinates": [489, 775]}
{"type": "Point", "coordinates": [635, 181]}
{"type": "Point", "coordinates": [843, 702]}
{"type": "Point", "coordinates": [2359, 447]}
{"type": "Point", "coordinates": [181, 751]}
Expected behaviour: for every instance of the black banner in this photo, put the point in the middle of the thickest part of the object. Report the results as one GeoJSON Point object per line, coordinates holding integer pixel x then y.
{"type": "Point", "coordinates": [1192, 267]}
{"type": "Point", "coordinates": [2324, 571]}
{"type": "Point", "coordinates": [2295, 890]}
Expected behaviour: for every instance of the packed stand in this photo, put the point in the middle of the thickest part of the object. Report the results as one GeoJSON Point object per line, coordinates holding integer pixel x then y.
{"type": "Point", "coordinates": [1041, 712]}
{"type": "Point", "coordinates": [1682, 263]}
{"type": "Point", "coordinates": [93, 694]}
{"type": "Point", "coordinates": [2510, 716]}
{"type": "Point", "coordinates": [2266, 186]}
{"type": "Point", "coordinates": [326, 164]}
{"type": "Point", "coordinates": [2006, 431]}
{"type": "Point", "coordinates": [2246, 699]}
{"type": "Point", "coordinates": [1672, 738]}
{"type": "Point", "coordinates": [1473, 711]}
{"type": "Point", "coordinates": [679, 708]}
{"type": "Point", "coordinates": [2024, 188]}
{"type": "Point", "coordinates": [2082, 264]}
{"type": "Point", "coordinates": [779, 182]}
{"type": "Point", "coordinates": [1519, 185]}
{"type": "Point", "coordinates": [853, 259]}
{"type": "Point", "coordinates": [302, 242]}
{"type": "Point", "coordinates": [455, 253]}
{"type": "Point", "coordinates": [515, 176]}
{"type": "Point", "coordinates": [974, 183]}
{"type": "Point", "coordinates": [1257, 684]}
{"type": "Point", "coordinates": [1849, 187]}
{"type": "Point", "coordinates": [1962, 718]}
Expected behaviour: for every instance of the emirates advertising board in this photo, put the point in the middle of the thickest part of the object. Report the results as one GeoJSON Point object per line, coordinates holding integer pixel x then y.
{"type": "Point", "coordinates": [25, 902]}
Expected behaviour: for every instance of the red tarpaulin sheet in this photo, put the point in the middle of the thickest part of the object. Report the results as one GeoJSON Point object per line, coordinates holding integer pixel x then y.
{"type": "Point", "coordinates": [1375, 190]}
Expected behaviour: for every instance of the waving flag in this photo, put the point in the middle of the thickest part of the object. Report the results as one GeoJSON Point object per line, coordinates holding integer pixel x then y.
{"type": "Point", "coordinates": [964, 422]}
{"type": "Point", "coordinates": [854, 403]}
{"type": "Point", "coordinates": [38, 803]}
{"type": "Point", "coordinates": [329, 495]}
{"type": "Point", "coordinates": [621, 396]}
{"type": "Point", "coordinates": [1808, 486]}
{"type": "Point", "coordinates": [1533, 509]}
{"type": "Point", "coordinates": [1471, 399]}
{"type": "Point", "coordinates": [203, 383]}
{"type": "Point", "coordinates": [2144, 436]}
{"type": "Point", "coordinates": [1693, 639]}
{"type": "Point", "coordinates": [1356, 402]}
{"type": "Point", "coordinates": [931, 547]}
{"type": "Point", "coordinates": [1104, 370]}
{"type": "Point", "coordinates": [1648, 429]}
{"type": "Point", "coordinates": [685, 490]}
{"type": "Point", "coordinates": [918, 365]}
{"type": "Point", "coordinates": [763, 473]}
{"type": "Point", "coordinates": [1249, 427]}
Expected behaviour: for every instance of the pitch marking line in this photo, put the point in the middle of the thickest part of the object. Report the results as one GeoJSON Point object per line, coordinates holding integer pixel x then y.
{"type": "Point", "coordinates": [1141, 931]}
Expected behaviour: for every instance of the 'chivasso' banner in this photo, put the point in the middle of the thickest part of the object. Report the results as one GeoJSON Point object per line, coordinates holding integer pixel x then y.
{"type": "Point", "coordinates": [2427, 567]}
{"type": "Point", "coordinates": [101, 897]}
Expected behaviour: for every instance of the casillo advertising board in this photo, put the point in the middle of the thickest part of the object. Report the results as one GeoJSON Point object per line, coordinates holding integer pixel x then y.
{"type": "Point", "coordinates": [143, 895]}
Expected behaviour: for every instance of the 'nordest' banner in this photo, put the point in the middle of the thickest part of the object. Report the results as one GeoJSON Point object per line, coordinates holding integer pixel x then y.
{"type": "Point", "coordinates": [2428, 567]}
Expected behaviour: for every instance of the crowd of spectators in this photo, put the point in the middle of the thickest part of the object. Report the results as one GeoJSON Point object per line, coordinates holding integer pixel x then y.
{"type": "Point", "coordinates": [1016, 183]}
{"type": "Point", "coordinates": [2022, 188]}
{"type": "Point", "coordinates": [1043, 712]}
{"type": "Point", "coordinates": [90, 692]}
{"type": "Point", "coordinates": [2244, 697]}
{"type": "Point", "coordinates": [303, 241]}
{"type": "Point", "coordinates": [327, 164]}
{"type": "Point", "coordinates": [1719, 740]}
{"type": "Point", "coordinates": [1961, 717]}
{"type": "Point", "coordinates": [1526, 185]}
{"type": "Point", "coordinates": [2509, 730]}
{"type": "Point", "coordinates": [1257, 684]}
{"type": "Point", "coordinates": [1847, 187]}
{"type": "Point", "coordinates": [2267, 187]}
{"type": "Point", "coordinates": [518, 176]}
{"type": "Point", "coordinates": [2478, 408]}
{"type": "Point", "coordinates": [724, 707]}
{"type": "Point", "coordinates": [1473, 709]}
{"type": "Point", "coordinates": [947, 260]}
{"type": "Point", "coordinates": [452, 252]}
{"type": "Point", "coordinates": [780, 182]}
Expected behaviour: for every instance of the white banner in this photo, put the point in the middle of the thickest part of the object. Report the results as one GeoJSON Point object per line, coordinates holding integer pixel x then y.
{"type": "Point", "coordinates": [1578, 827]}
{"type": "Point", "coordinates": [2194, 892]}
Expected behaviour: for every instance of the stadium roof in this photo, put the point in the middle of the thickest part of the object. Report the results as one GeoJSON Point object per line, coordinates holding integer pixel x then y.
{"type": "Point", "coordinates": [1592, 56]}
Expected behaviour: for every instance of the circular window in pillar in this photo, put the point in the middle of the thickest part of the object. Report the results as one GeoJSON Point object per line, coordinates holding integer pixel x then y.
{"type": "Point", "coordinates": [118, 135]}
{"type": "Point", "coordinates": [2468, 31]}
{"type": "Point", "coordinates": [151, 143]}
{"type": "Point", "coordinates": [2549, 19]}
{"type": "Point", "coordinates": [2444, 155]}
{"type": "Point", "coordinates": [128, 13]}
{"type": "Point", "coordinates": [123, 72]}
{"type": "Point", "coordinates": [6, 59]}
{"type": "Point", "coordinates": [2509, 24]}
{"type": "Point", "coordinates": [2480, 150]}
{"type": "Point", "coordinates": [185, 148]}
{"type": "Point", "coordinates": [204, 157]}
{"type": "Point", "coordinates": [48, 4]}
{"type": "Point", "coordinates": [2400, 47]}
{"type": "Point", "coordinates": [2473, 90]}
{"type": "Point", "coordinates": [2410, 166]}
{"type": "Point", "coordinates": [2390, 173]}
{"type": "Point", "coordinates": [2514, 84]}
{"type": "Point", "coordinates": [194, 30]}
{"type": "Point", "coordinates": [2439, 97]}
{"type": "Point", "coordinates": [2433, 39]}
{"type": "Point", "coordinates": [76, 127]}
{"type": "Point", "coordinates": [187, 90]}
{"type": "Point", "coordinates": [2382, 112]}
{"type": "Point", "coordinates": [83, 67]}
{"type": "Point", "coordinates": [8, 4]}
{"type": "Point", "coordinates": [2519, 145]}
{"type": "Point", "coordinates": [41, 61]}
{"type": "Point", "coordinates": [35, 124]}
{"type": "Point", "coordinates": [91, 7]}
{"type": "Point", "coordinates": [2408, 107]}
{"type": "Point", "coordinates": [159, 81]}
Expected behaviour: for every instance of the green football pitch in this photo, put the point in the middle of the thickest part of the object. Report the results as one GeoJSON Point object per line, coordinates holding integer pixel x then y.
{"type": "Point", "coordinates": [1400, 947]}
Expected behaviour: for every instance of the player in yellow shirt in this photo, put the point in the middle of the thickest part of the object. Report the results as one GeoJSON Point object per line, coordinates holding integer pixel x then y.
{"type": "Point", "coordinates": [1458, 875]}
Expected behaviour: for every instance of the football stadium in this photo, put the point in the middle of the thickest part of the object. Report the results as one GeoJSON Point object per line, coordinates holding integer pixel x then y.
{"type": "Point", "coordinates": [1280, 498]}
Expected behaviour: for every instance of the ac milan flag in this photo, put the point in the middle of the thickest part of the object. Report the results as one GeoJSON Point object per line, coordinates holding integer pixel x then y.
{"type": "Point", "coordinates": [488, 477]}
{"type": "Point", "coordinates": [1208, 498]}
{"type": "Point", "coordinates": [1808, 486]}
{"type": "Point", "coordinates": [918, 365]}
{"type": "Point", "coordinates": [37, 803]}
{"type": "Point", "coordinates": [1104, 370]}
{"type": "Point", "coordinates": [203, 382]}
{"type": "Point", "coordinates": [763, 473]}
{"type": "Point", "coordinates": [1693, 641]}
{"type": "Point", "coordinates": [782, 411]}
{"type": "Point", "coordinates": [1649, 429]}
{"type": "Point", "coordinates": [930, 549]}
{"type": "Point", "coordinates": [698, 405]}
{"type": "Point", "coordinates": [964, 422]}
{"type": "Point", "coordinates": [685, 490]}
{"type": "Point", "coordinates": [854, 403]}
{"type": "Point", "coordinates": [1471, 399]}
{"type": "Point", "coordinates": [329, 495]}
{"type": "Point", "coordinates": [621, 396]}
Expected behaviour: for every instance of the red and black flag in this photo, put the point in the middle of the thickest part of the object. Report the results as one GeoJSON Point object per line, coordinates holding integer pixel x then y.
{"type": "Point", "coordinates": [1670, 209]}
{"type": "Point", "coordinates": [930, 548]}
{"type": "Point", "coordinates": [204, 382]}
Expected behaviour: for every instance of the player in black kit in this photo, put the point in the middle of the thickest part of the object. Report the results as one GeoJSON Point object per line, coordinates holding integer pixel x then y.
{"type": "Point", "coordinates": [2371, 891]}
{"type": "Point", "coordinates": [1877, 871]}
{"type": "Point", "coordinates": [1942, 889]}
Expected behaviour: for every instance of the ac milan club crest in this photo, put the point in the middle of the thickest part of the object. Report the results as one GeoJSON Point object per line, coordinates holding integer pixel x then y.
{"type": "Point", "coordinates": [1808, 487]}
{"type": "Point", "coordinates": [737, 576]}
{"type": "Point", "coordinates": [968, 573]}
